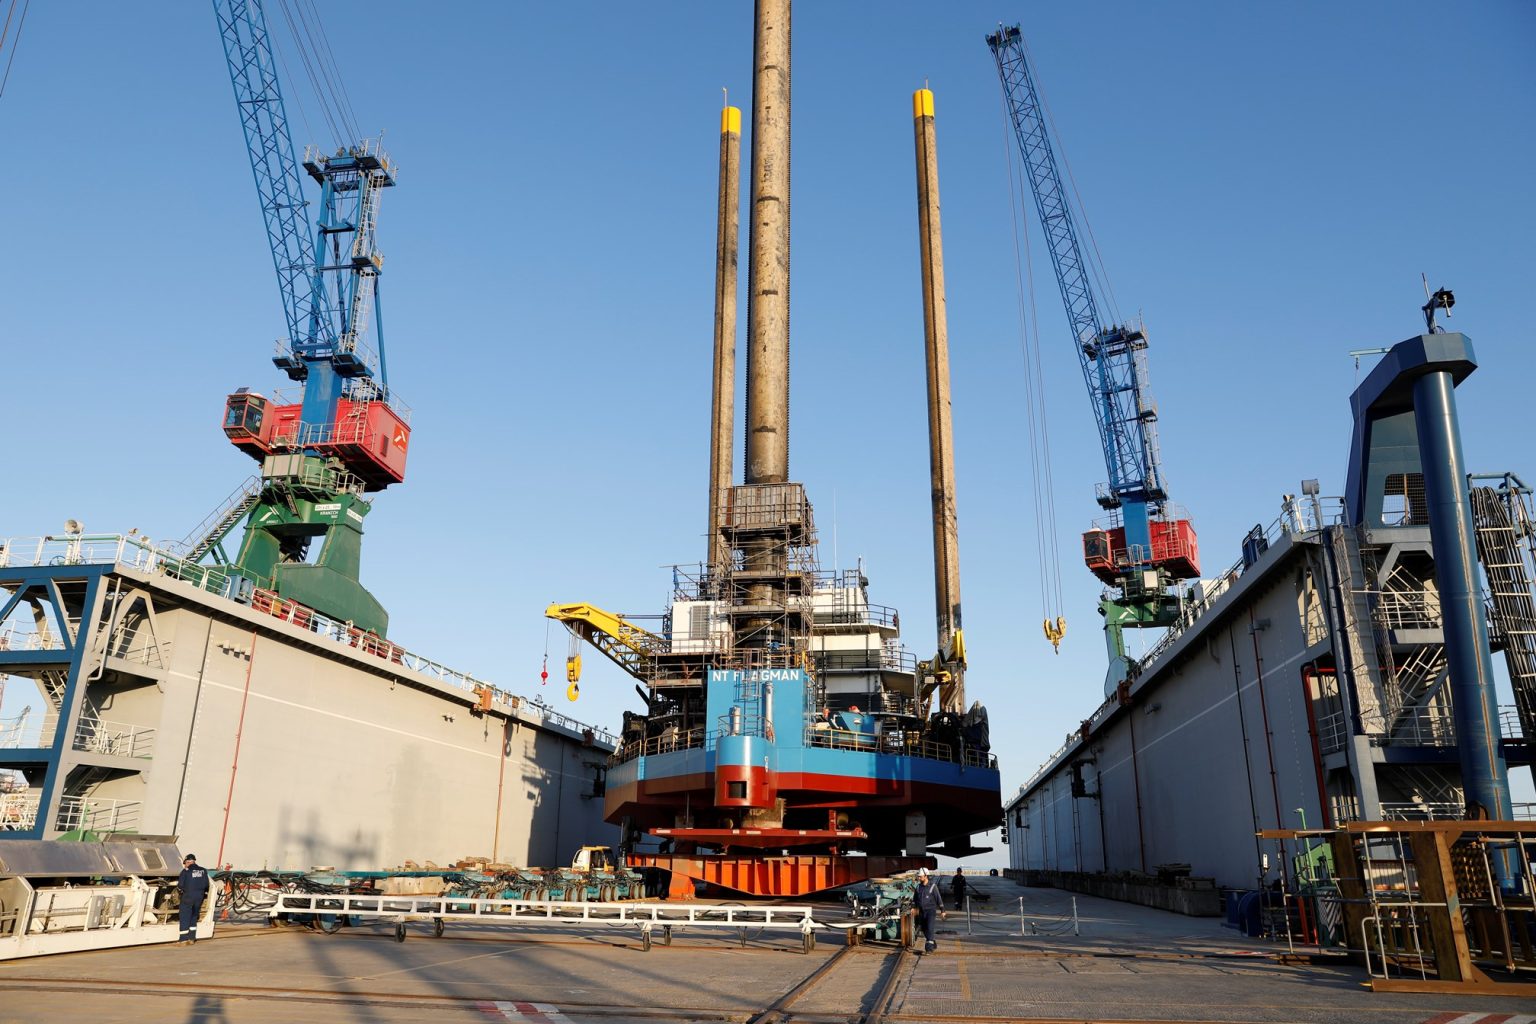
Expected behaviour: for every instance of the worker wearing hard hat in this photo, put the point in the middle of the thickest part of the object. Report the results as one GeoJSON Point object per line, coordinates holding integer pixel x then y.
{"type": "Point", "coordinates": [930, 905]}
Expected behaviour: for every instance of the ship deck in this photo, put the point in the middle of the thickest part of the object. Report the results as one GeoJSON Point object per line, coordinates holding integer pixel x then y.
{"type": "Point", "coordinates": [1129, 963]}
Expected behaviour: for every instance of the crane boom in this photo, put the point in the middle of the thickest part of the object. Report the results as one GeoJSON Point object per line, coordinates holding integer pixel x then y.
{"type": "Point", "coordinates": [264, 120]}
{"type": "Point", "coordinates": [629, 646]}
{"type": "Point", "coordinates": [1112, 356]}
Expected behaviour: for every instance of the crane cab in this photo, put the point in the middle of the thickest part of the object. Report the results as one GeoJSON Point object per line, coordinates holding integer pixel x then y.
{"type": "Point", "coordinates": [1174, 549]}
{"type": "Point", "coordinates": [247, 423]}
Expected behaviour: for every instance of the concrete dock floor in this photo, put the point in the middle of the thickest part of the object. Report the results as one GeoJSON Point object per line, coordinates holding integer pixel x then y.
{"type": "Point", "coordinates": [1127, 964]}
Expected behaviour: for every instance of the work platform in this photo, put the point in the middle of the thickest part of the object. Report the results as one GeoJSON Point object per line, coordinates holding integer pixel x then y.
{"type": "Point", "coordinates": [1128, 963]}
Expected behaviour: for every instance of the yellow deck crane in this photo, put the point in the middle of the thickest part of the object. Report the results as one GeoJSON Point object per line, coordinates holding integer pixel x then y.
{"type": "Point", "coordinates": [627, 645]}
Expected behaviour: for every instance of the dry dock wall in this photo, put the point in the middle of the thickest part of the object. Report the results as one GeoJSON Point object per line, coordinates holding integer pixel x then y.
{"type": "Point", "coordinates": [290, 750]}
{"type": "Point", "coordinates": [1214, 745]}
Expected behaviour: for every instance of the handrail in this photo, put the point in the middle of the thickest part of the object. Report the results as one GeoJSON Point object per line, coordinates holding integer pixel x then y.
{"type": "Point", "coordinates": [135, 552]}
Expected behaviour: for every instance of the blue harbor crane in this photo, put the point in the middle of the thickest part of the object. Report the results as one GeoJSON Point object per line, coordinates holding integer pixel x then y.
{"type": "Point", "coordinates": [1146, 548]}
{"type": "Point", "coordinates": [347, 434]}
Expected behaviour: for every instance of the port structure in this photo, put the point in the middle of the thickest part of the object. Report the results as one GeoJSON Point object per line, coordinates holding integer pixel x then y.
{"type": "Point", "coordinates": [1146, 546]}
{"type": "Point", "coordinates": [345, 434]}
{"type": "Point", "coordinates": [785, 725]}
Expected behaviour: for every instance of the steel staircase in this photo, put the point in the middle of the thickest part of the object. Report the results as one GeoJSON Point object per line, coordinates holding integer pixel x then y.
{"type": "Point", "coordinates": [1502, 521]}
{"type": "Point", "coordinates": [220, 521]}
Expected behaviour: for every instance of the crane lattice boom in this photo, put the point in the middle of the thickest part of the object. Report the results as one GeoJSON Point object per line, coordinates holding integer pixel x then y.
{"type": "Point", "coordinates": [1112, 356]}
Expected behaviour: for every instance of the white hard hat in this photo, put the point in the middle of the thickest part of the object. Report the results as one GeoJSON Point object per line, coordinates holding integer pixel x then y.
{"type": "Point", "coordinates": [922, 872]}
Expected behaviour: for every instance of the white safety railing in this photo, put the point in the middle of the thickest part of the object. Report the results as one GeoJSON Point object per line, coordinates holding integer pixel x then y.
{"type": "Point", "coordinates": [18, 811]}
{"type": "Point", "coordinates": [97, 815]}
{"type": "Point", "coordinates": [140, 646]}
{"type": "Point", "coordinates": [646, 917]}
{"type": "Point", "coordinates": [27, 730]}
{"type": "Point", "coordinates": [1333, 731]}
{"type": "Point", "coordinates": [98, 736]}
{"type": "Point", "coordinates": [1424, 727]}
{"type": "Point", "coordinates": [24, 635]}
{"type": "Point", "coordinates": [138, 553]}
{"type": "Point", "coordinates": [1422, 811]}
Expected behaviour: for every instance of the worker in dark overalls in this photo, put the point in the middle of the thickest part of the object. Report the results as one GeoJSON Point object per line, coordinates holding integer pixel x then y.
{"type": "Point", "coordinates": [930, 906]}
{"type": "Point", "coordinates": [193, 886]}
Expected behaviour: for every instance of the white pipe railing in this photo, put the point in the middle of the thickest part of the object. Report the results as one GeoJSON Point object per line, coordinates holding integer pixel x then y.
{"type": "Point", "coordinates": [18, 811]}
{"type": "Point", "coordinates": [97, 815]}
{"type": "Point", "coordinates": [98, 736]}
{"type": "Point", "coordinates": [139, 553]}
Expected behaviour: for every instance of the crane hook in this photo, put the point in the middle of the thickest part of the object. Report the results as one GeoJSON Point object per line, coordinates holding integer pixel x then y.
{"type": "Point", "coordinates": [1054, 631]}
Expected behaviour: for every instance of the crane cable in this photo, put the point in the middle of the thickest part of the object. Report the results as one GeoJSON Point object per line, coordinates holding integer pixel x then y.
{"type": "Point", "coordinates": [16, 42]}
{"type": "Point", "coordinates": [1100, 271]}
{"type": "Point", "coordinates": [313, 47]}
{"type": "Point", "coordinates": [1043, 489]}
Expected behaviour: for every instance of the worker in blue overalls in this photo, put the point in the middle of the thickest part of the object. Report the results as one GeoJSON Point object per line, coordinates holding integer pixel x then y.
{"type": "Point", "coordinates": [930, 905]}
{"type": "Point", "coordinates": [193, 886]}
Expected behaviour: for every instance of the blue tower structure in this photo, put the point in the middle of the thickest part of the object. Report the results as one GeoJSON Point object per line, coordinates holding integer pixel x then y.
{"type": "Point", "coordinates": [1407, 445]}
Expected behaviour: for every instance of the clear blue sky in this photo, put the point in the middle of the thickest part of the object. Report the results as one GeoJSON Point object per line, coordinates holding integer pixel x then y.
{"type": "Point", "coordinates": [1266, 183]}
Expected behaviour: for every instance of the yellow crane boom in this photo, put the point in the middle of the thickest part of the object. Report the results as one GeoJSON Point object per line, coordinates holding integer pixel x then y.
{"type": "Point", "coordinates": [626, 644]}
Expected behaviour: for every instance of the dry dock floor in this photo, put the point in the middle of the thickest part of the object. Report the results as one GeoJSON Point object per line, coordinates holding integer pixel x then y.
{"type": "Point", "coordinates": [1128, 964]}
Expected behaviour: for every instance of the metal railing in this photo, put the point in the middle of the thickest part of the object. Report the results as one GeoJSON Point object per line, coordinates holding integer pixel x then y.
{"type": "Point", "coordinates": [1420, 810]}
{"type": "Point", "coordinates": [843, 739]}
{"type": "Point", "coordinates": [1442, 810]}
{"type": "Point", "coordinates": [96, 735]}
{"type": "Point", "coordinates": [137, 553]}
{"type": "Point", "coordinates": [140, 646]}
{"type": "Point", "coordinates": [25, 635]}
{"type": "Point", "coordinates": [97, 815]}
{"type": "Point", "coordinates": [1422, 727]}
{"type": "Point", "coordinates": [18, 811]}
{"type": "Point", "coordinates": [1408, 609]}
{"type": "Point", "coordinates": [1333, 732]}
{"type": "Point", "coordinates": [667, 742]}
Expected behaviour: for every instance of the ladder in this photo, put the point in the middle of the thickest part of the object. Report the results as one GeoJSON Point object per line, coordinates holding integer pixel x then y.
{"type": "Point", "coordinates": [1502, 521]}
{"type": "Point", "coordinates": [216, 526]}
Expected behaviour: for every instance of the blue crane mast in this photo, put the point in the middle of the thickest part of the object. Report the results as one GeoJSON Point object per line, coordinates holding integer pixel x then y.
{"type": "Point", "coordinates": [1146, 549]}
{"type": "Point", "coordinates": [348, 434]}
